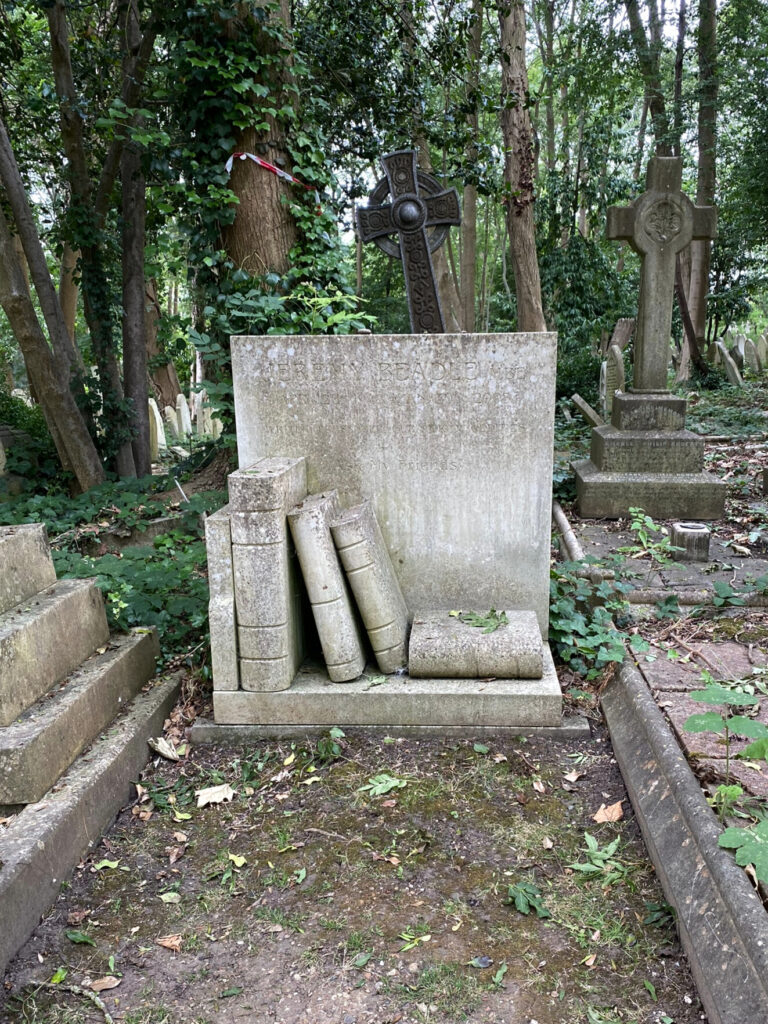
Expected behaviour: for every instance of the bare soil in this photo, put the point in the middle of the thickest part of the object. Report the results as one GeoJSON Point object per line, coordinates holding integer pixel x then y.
{"type": "Point", "coordinates": [294, 902]}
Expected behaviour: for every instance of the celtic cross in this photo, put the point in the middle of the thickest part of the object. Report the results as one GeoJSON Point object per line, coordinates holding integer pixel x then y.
{"type": "Point", "coordinates": [658, 225]}
{"type": "Point", "coordinates": [419, 215]}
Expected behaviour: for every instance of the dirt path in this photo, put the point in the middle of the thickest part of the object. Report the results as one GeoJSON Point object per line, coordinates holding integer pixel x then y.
{"type": "Point", "coordinates": [306, 900]}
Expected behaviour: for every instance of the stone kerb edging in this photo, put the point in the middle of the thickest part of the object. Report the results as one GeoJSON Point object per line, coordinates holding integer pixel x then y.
{"type": "Point", "coordinates": [722, 922]}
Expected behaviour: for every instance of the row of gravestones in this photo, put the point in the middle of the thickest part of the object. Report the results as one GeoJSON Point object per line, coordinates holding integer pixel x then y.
{"type": "Point", "coordinates": [736, 352]}
{"type": "Point", "coordinates": [180, 423]}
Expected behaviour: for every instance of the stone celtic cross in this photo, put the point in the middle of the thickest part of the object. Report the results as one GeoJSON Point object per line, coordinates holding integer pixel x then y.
{"type": "Point", "coordinates": [658, 225]}
{"type": "Point", "coordinates": [419, 213]}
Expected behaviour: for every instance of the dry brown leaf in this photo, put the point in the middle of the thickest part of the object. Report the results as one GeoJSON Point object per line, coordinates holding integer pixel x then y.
{"type": "Point", "coordinates": [214, 794]}
{"type": "Point", "coordinates": [391, 859]}
{"type": "Point", "coordinates": [589, 961]}
{"type": "Point", "coordinates": [547, 843]}
{"type": "Point", "coordinates": [172, 942]}
{"type": "Point", "coordinates": [389, 803]}
{"type": "Point", "coordinates": [102, 984]}
{"type": "Point", "coordinates": [612, 813]}
{"type": "Point", "coordinates": [180, 837]}
{"type": "Point", "coordinates": [539, 786]}
{"type": "Point", "coordinates": [174, 853]}
{"type": "Point", "coordinates": [77, 916]}
{"type": "Point", "coordinates": [498, 758]}
{"type": "Point", "coordinates": [573, 776]}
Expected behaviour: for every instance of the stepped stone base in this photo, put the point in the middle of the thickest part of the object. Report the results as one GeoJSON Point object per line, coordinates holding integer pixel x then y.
{"type": "Point", "coordinates": [648, 412]}
{"type": "Point", "coordinates": [44, 639]}
{"type": "Point", "coordinates": [43, 843]}
{"type": "Point", "coordinates": [603, 495]}
{"type": "Point", "coordinates": [313, 700]}
{"type": "Point", "coordinates": [45, 740]}
{"type": "Point", "coordinates": [26, 563]}
{"type": "Point", "coordinates": [646, 451]}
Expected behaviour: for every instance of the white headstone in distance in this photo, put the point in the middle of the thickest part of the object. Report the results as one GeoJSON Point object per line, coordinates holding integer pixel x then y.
{"type": "Point", "coordinates": [751, 357]}
{"type": "Point", "coordinates": [729, 365]}
{"type": "Point", "coordinates": [762, 351]}
{"type": "Point", "coordinates": [172, 421]}
{"type": "Point", "coordinates": [156, 429]}
{"type": "Point", "coordinates": [183, 417]}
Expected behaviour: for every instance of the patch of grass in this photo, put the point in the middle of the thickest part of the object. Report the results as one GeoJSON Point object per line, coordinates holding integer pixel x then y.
{"type": "Point", "coordinates": [451, 988]}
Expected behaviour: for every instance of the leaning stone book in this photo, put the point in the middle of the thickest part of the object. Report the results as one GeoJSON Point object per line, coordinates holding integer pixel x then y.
{"type": "Point", "coordinates": [372, 578]}
{"type": "Point", "coordinates": [266, 580]}
{"type": "Point", "coordinates": [334, 615]}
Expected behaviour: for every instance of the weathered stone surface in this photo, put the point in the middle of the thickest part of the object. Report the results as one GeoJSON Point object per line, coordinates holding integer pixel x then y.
{"type": "Point", "coordinates": [370, 574]}
{"type": "Point", "coordinates": [400, 701]}
{"type": "Point", "coordinates": [222, 619]}
{"type": "Point", "coordinates": [46, 639]}
{"type": "Point", "coordinates": [730, 367]}
{"type": "Point", "coordinates": [762, 351]}
{"type": "Point", "coordinates": [648, 451]}
{"type": "Point", "coordinates": [337, 625]}
{"type": "Point", "coordinates": [722, 922]}
{"type": "Point", "coordinates": [183, 417]}
{"type": "Point", "coordinates": [725, 660]}
{"type": "Point", "coordinates": [41, 846]}
{"type": "Point", "coordinates": [692, 540]}
{"type": "Point", "coordinates": [268, 590]}
{"type": "Point", "coordinates": [751, 357]}
{"type": "Point", "coordinates": [648, 412]}
{"type": "Point", "coordinates": [594, 419]}
{"type": "Point", "coordinates": [442, 646]}
{"type": "Point", "coordinates": [46, 739]}
{"type": "Point", "coordinates": [662, 495]}
{"type": "Point", "coordinates": [157, 440]}
{"type": "Point", "coordinates": [172, 422]}
{"type": "Point", "coordinates": [25, 563]}
{"type": "Point", "coordinates": [614, 376]}
{"type": "Point", "coordinates": [418, 424]}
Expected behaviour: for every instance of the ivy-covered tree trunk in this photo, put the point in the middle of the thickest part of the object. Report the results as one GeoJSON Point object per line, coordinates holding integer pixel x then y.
{"type": "Point", "coordinates": [264, 230]}
{"type": "Point", "coordinates": [519, 167]}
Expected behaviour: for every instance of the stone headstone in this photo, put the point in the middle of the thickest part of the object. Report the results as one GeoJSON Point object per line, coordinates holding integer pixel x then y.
{"type": "Point", "coordinates": [751, 357]}
{"type": "Point", "coordinates": [622, 332]}
{"type": "Point", "coordinates": [614, 376]}
{"type": "Point", "coordinates": [593, 418]}
{"type": "Point", "coordinates": [450, 437]}
{"type": "Point", "coordinates": [713, 354]}
{"type": "Point", "coordinates": [156, 431]}
{"type": "Point", "coordinates": [182, 416]}
{"type": "Point", "coordinates": [644, 457]}
{"type": "Point", "coordinates": [2, 459]}
{"type": "Point", "coordinates": [172, 422]}
{"type": "Point", "coordinates": [762, 351]}
{"type": "Point", "coordinates": [730, 367]}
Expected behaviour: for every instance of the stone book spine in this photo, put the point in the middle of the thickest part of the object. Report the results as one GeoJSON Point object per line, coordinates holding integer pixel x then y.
{"type": "Point", "coordinates": [221, 605]}
{"type": "Point", "coordinates": [267, 585]}
{"type": "Point", "coordinates": [337, 626]}
{"type": "Point", "coordinates": [371, 576]}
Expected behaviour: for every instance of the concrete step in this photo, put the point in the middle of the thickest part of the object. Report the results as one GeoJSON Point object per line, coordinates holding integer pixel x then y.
{"type": "Point", "coordinates": [41, 846]}
{"type": "Point", "coordinates": [45, 740]}
{"type": "Point", "coordinates": [45, 638]}
{"type": "Point", "coordinates": [26, 563]}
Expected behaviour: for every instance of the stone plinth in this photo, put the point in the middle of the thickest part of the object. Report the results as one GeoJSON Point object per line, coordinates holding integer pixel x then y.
{"type": "Point", "coordinates": [443, 645]}
{"type": "Point", "coordinates": [450, 437]}
{"type": "Point", "coordinates": [645, 458]}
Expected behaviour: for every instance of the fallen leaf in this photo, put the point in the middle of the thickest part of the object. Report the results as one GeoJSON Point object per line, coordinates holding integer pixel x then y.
{"type": "Point", "coordinates": [235, 990]}
{"type": "Point", "coordinates": [547, 843]}
{"type": "Point", "coordinates": [275, 928]}
{"type": "Point", "coordinates": [289, 760]}
{"type": "Point", "coordinates": [480, 961]}
{"type": "Point", "coordinates": [612, 813]}
{"type": "Point", "coordinates": [102, 984]}
{"type": "Point", "coordinates": [172, 942]}
{"type": "Point", "coordinates": [539, 786]}
{"type": "Point", "coordinates": [180, 837]}
{"type": "Point", "coordinates": [162, 747]}
{"type": "Point", "coordinates": [111, 864]}
{"type": "Point", "coordinates": [170, 897]}
{"type": "Point", "coordinates": [214, 794]}
{"type": "Point", "coordinates": [237, 860]}
{"type": "Point", "coordinates": [181, 815]}
{"type": "Point", "coordinates": [309, 781]}
{"type": "Point", "coordinates": [573, 776]}
{"type": "Point", "coordinates": [589, 961]}
{"type": "Point", "coordinates": [174, 853]}
{"type": "Point", "coordinates": [77, 916]}
{"type": "Point", "coordinates": [389, 803]}
{"type": "Point", "coordinates": [498, 758]}
{"type": "Point", "coordinates": [80, 938]}
{"type": "Point", "coordinates": [391, 858]}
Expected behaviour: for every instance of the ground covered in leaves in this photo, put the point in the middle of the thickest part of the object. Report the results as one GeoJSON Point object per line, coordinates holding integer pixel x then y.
{"type": "Point", "coordinates": [358, 879]}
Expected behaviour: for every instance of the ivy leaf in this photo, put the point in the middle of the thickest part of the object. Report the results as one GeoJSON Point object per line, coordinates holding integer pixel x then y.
{"type": "Point", "coordinates": [79, 938]}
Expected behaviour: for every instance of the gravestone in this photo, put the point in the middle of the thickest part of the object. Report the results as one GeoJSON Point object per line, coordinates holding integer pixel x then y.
{"type": "Point", "coordinates": [182, 416]}
{"type": "Point", "coordinates": [157, 440]}
{"type": "Point", "coordinates": [172, 421]}
{"type": "Point", "coordinates": [752, 357]}
{"type": "Point", "coordinates": [449, 438]}
{"type": "Point", "coordinates": [762, 351]}
{"type": "Point", "coordinates": [613, 377]}
{"type": "Point", "coordinates": [731, 369]}
{"type": "Point", "coordinates": [644, 457]}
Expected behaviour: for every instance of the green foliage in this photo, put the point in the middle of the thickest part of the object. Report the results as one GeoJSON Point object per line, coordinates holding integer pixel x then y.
{"type": "Point", "coordinates": [382, 784]}
{"type": "Point", "coordinates": [328, 747]}
{"type": "Point", "coordinates": [600, 862]}
{"type": "Point", "coordinates": [651, 539]}
{"type": "Point", "coordinates": [527, 897]}
{"type": "Point", "coordinates": [488, 622]}
{"type": "Point", "coordinates": [728, 724]}
{"type": "Point", "coordinates": [581, 630]}
{"type": "Point", "coordinates": [751, 846]}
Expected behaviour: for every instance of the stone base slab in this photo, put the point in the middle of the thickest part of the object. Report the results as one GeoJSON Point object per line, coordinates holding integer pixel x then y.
{"type": "Point", "coordinates": [722, 923]}
{"type": "Point", "coordinates": [41, 846]}
{"type": "Point", "coordinates": [44, 742]}
{"type": "Point", "coordinates": [662, 495]}
{"type": "Point", "coordinates": [646, 451]}
{"type": "Point", "coordinates": [573, 727]}
{"type": "Point", "coordinates": [648, 412]}
{"type": "Point", "coordinates": [45, 638]}
{"type": "Point", "coordinates": [313, 700]}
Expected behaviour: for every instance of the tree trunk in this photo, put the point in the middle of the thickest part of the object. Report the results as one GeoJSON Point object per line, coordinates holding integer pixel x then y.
{"type": "Point", "coordinates": [46, 370]}
{"type": "Point", "coordinates": [264, 230]}
{"type": "Point", "coordinates": [68, 291]}
{"type": "Point", "coordinates": [648, 56]}
{"type": "Point", "coordinates": [707, 172]}
{"type": "Point", "coordinates": [94, 281]}
{"type": "Point", "coordinates": [518, 167]}
{"type": "Point", "coordinates": [469, 216]}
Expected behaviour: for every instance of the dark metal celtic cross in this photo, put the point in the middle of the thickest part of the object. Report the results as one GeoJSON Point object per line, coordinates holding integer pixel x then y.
{"type": "Point", "coordinates": [419, 214]}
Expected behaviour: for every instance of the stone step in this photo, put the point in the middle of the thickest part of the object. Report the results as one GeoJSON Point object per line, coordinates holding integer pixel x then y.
{"type": "Point", "coordinates": [42, 844]}
{"type": "Point", "coordinates": [45, 740]}
{"type": "Point", "coordinates": [44, 639]}
{"type": "Point", "coordinates": [646, 451]}
{"type": "Point", "coordinates": [25, 563]}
